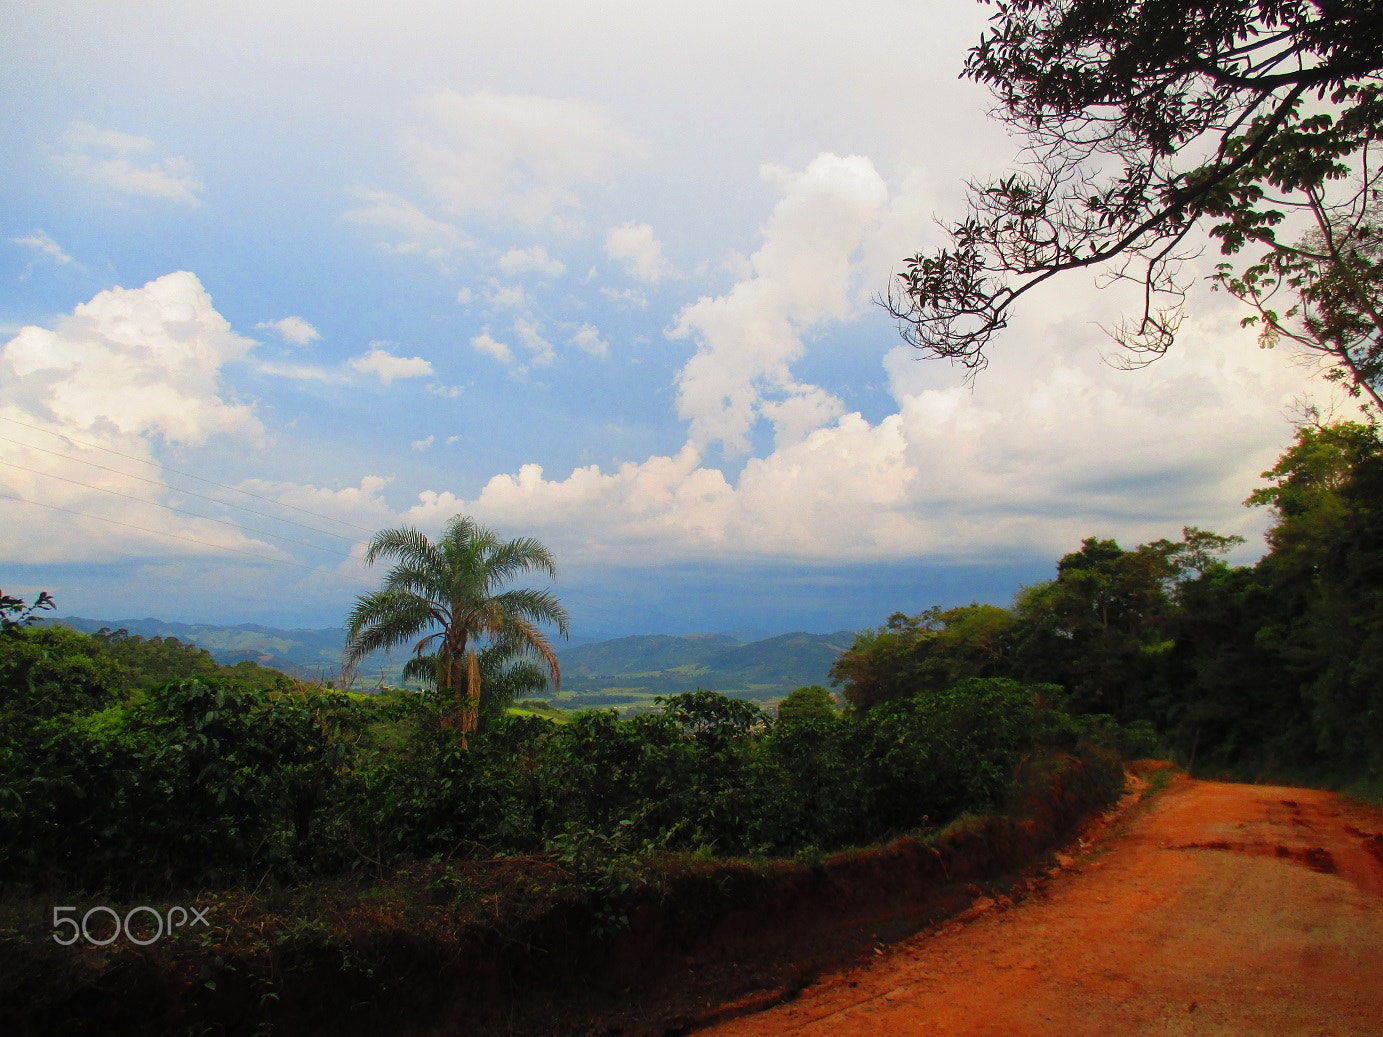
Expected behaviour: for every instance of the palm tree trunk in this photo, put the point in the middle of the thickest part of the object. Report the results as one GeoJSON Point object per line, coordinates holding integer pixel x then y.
{"type": "Point", "coordinates": [457, 685]}
{"type": "Point", "coordinates": [471, 717]}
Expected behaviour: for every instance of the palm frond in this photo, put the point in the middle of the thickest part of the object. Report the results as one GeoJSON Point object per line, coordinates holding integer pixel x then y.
{"type": "Point", "coordinates": [421, 668]}
{"type": "Point", "coordinates": [538, 606]}
{"type": "Point", "coordinates": [418, 579]}
{"type": "Point", "coordinates": [405, 543]}
{"type": "Point", "coordinates": [445, 592]}
{"type": "Point", "coordinates": [521, 637]}
{"type": "Point", "coordinates": [517, 557]}
{"type": "Point", "coordinates": [384, 619]}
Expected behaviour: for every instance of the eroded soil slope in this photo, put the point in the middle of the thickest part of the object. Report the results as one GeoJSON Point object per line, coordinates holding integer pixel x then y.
{"type": "Point", "coordinates": [1222, 909]}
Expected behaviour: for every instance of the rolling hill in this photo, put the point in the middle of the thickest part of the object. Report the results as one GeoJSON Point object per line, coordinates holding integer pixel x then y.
{"type": "Point", "coordinates": [631, 671]}
{"type": "Point", "coordinates": [625, 672]}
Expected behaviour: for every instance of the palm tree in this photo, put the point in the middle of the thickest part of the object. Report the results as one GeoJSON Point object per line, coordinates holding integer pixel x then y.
{"type": "Point", "coordinates": [446, 592]}
{"type": "Point", "coordinates": [506, 674]}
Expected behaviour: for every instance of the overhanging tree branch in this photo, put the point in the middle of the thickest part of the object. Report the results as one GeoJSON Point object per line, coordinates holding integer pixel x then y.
{"type": "Point", "coordinates": [1116, 102]}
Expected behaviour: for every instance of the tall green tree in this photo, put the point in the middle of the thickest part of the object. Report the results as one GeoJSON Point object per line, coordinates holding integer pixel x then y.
{"type": "Point", "coordinates": [1306, 490]}
{"type": "Point", "coordinates": [925, 653]}
{"type": "Point", "coordinates": [1347, 693]}
{"type": "Point", "coordinates": [1094, 626]}
{"type": "Point", "coordinates": [1275, 670]}
{"type": "Point", "coordinates": [446, 595]}
{"type": "Point", "coordinates": [1102, 627]}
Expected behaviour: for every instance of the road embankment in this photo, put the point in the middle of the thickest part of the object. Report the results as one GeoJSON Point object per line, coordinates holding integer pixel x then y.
{"type": "Point", "coordinates": [1220, 909]}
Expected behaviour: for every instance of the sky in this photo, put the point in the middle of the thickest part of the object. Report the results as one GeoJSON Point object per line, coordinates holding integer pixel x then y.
{"type": "Point", "coordinates": [274, 276]}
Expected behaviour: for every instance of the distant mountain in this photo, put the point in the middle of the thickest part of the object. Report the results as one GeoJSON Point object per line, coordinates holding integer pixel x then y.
{"type": "Point", "coordinates": [789, 659]}
{"type": "Point", "coordinates": [629, 669]}
{"type": "Point", "coordinates": [306, 653]}
{"type": "Point", "coordinates": [643, 653]}
{"type": "Point", "coordinates": [623, 672]}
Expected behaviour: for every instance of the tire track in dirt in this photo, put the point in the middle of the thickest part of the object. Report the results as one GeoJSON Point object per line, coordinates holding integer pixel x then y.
{"type": "Point", "coordinates": [1219, 909]}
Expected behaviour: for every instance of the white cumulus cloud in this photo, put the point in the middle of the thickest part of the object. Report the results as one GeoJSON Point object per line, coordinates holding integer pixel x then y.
{"type": "Point", "coordinates": [387, 367]}
{"type": "Point", "coordinates": [293, 330]}
{"type": "Point", "coordinates": [587, 338]}
{"type": "Point", "coordinates": [105, 388]}
{"type": "Point", "coordinates": [137, 360]}
{"type": "Point", "coordinates": [490, 346]}
{"type": "Point", "coordinates": [506, 296]}
{"type": "Point", "coordinates": [634, 247]}
{"type": "Point", "coordinates": [1030, 461]}
{"type": "Point", "coordinates": [806, 272]}
{"type": "Point", "coordinates": [532, 260]}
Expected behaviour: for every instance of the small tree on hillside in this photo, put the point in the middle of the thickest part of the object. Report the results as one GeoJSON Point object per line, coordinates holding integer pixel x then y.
{"type": "Point", "coordinates": [811, 702]}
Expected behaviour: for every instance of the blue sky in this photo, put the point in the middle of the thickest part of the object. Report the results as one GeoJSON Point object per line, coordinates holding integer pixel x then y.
{"type": "Point", "coordinates": [273, 276]}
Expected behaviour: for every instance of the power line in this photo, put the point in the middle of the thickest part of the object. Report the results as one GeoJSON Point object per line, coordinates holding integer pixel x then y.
{"type": "Point", "coordinates": [162, 485]}
{"type": "Point", "coordinates": [191, 540]}
{"type": "Point", "coordinates": [167, 507]}
{"type": "Point", "coordinates": [186, 475]}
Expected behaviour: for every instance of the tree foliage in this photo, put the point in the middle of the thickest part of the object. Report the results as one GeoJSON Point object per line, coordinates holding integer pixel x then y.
{"type": "Point", "coordinates": [810, 703]}
{"type": "Point", "coordinates": [45, 671]}
{"type": "Point", "coordinates": [930, 651]}
{"type": "Point", "coordinates": [156, 660]}
{"type": "Point", "coordinates": [1306, 491]}
{"type": "Point", "coordinates": [1094, 630]}
{"type": "Point", "coordinates": [1147, 120]}
{"type": "Point", "coordinates": [446, 595]}
{"type": "Point", "coordinates": [16, 613]}
{"type": "Point", "coordinates": [1273, 670]}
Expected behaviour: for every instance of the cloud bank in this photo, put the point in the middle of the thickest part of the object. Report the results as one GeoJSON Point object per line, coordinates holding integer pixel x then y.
{"type": "Point", "coordinates": [85, 404]}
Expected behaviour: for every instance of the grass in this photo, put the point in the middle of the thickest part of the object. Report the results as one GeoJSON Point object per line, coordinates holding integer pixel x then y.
{"type": "Point", "coordinates": [632, 696]}
{"type": "Point", "coordinates": [539, 708]}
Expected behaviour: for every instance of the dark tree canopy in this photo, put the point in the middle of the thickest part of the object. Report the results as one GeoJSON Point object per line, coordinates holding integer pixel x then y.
{"type": "Point", "coordinates": [1147, 119]}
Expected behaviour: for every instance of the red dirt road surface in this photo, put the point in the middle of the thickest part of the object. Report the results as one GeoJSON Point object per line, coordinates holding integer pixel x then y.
{"type": "Point", "coordinates": [1219, 909]}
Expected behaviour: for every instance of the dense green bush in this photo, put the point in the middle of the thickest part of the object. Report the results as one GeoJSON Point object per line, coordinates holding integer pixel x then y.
{"type": "Point", "coordinates": [205, 781]}
{"type": "Point", "coordinates": [707, 773]}
{"type": "Point", "coordinates": [46, 671]}
{"type": "Point", "coordinates": [198, 782]}
{"type": "Point", "coordinates": [937, 756]}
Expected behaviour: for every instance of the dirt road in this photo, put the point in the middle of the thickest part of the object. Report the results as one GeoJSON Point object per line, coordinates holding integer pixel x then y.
{"type": "Point", "coordinates": [1219, 909]}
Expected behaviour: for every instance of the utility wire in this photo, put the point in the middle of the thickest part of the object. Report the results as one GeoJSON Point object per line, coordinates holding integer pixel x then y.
{"type": "Point", "coordinates": [191, 540]}
{"type": "Point", "coordinates": [165, 486]}
{"type": "Point", "coordinates": [186, 475]}
{"type": "Point", "coordinates": [168, 507]}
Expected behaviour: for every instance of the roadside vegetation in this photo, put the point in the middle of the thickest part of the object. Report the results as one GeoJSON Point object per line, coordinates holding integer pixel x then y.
{"type": "Point", "coordinates": [202, 781]}
{"type": "Point", "coordinates": [417, 859]}
{"type": "Point", "coordinates": [138, 771]}
{"type": "Point", "coordinates": [1270, 671]}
